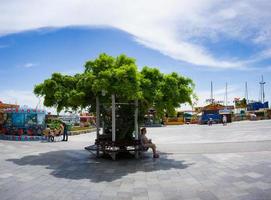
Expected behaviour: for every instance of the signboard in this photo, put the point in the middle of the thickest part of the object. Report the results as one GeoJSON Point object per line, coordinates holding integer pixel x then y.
{"type": "Point", "coordinates": [224, 112]}
{"type": "Point", "coordinates": [214, 101]}
{"type": "Point", "coordinates": [70, 119]}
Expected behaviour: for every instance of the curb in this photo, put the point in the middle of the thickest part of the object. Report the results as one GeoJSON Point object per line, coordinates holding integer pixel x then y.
{"type": "Point", "coordinates": [22, 138]}
{"type": "Point", "coordinates": [82, 131]}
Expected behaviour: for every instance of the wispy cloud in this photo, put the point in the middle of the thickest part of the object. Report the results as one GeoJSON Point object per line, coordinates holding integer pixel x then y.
{"type": "Point", "coordinates": [267, 69]}
{"type": "Point", "coordinates": [23, 97]}
{"type": "Point", "coordinates": [71, 72]}
{"type": "Point", "coordinates": [175, 28]}
{"type": "Point", "coordinates": [3, 46]}
{"type": "Point", "coordinates": [19, 97]}
{"type": "Point", "coordinates": [30, 65]}
{"type": "Point", "coordinates": [219, 94]}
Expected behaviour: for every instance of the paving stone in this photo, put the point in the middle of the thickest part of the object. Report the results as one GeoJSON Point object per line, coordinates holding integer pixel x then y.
{"type": "Point", "coordinates": [262, 185]}
{"type": "Point", "coordinates": [254, 175]}
{"type": "Point", "coordinates": [243, 185]}
{"type": "Point", "coordinates": [185, 170]}
{"type": "Point", "coordinates": [206, 195]}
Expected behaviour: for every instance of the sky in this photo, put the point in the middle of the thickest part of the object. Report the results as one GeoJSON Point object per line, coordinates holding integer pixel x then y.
{"type": "Point", "coordinates": [207, 40]}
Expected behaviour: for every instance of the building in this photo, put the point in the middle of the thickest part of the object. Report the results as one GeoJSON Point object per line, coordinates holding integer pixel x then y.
{"type": "Point", "coordinates": [4, 106]}
{"type": "Point", "coordinates": [215, 111]}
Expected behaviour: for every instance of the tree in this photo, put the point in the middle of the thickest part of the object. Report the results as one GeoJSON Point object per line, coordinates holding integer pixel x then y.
{"type": "Point", "coordinates": [240, 103]}
{"type": "Point", "coordinates": [165, 92]}
{"type": "Point", "coordinates": [107, 75]}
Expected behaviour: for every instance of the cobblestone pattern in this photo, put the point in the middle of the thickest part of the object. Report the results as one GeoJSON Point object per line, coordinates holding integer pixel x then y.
{"type": "Point", "coordinates": [63, 170]}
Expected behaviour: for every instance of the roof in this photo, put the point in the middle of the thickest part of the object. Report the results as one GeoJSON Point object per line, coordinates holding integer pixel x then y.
{"type": "Point", "coordinates": [24, 110]}
{"type": "Point", "coordinates": [213, 106]}
{"type": "Point", "coordinates": [217, 106]}
{"type": "Point", "coordinates": [5, 106]}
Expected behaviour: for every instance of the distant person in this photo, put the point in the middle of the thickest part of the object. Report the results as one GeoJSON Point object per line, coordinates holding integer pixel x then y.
{"type": "Point", "coordinates": [162, 122]}
{"type": "Point", "coordinates": [210, 122]}
{"type": "Point", "coordinates": [224, 120]}
{"type": "Point", "coordinates": [48, 131]}
{"type": "Point", "coordinates": [253, 116]}
{"type": "Point", "coordinates": [148, 143]}
{"type": "Point", "coordinates": [93, 122]}
{"type": "Point", "coordinates": [65, 131]}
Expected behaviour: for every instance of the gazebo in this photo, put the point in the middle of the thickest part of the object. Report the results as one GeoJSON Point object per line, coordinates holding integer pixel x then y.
{"type": "Point", "coordinates": [115, 89]}
{"type": "Point", "coordinates": [107, 141]}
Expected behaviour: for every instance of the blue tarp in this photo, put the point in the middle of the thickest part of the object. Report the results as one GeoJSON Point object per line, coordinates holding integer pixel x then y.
{"type": "Point", "coordinates": [257, 106]}
{"type": "Point", "coordinates": [215, 117]}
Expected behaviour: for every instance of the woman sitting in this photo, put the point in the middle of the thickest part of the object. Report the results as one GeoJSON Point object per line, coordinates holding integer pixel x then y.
{"type": "Point", "coordinates": [148, 143]}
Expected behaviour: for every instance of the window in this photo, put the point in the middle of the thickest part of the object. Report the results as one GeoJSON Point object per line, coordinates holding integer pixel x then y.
{"type": "Point", "coordinates": [41, 119]}
{"type": "Point", "coordinates": [8, 119]}
{"type": "Point", "coordinates": [30, 119]}
{"type": "Point", "coordinates": [18, 119]}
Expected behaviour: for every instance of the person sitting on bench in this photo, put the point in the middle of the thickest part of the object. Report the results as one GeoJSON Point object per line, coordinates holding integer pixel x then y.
{"type": "Point", "coordinates": [148, 143]}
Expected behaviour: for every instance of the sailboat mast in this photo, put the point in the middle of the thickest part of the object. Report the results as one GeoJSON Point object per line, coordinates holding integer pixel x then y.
{"type": "Point", "coordinates": [246, 92]}
{"type": "Point", "coordinates": [262, 94]}
{"type": "Point", "coordinates": [226, 95]}
{"type": "Point", "coordinates": [212, 95]}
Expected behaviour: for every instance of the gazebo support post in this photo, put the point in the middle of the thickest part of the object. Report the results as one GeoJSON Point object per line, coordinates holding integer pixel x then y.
{"type": "Point", "coordinates": [97, 124]}
{"type": "Point", "coordinates": [113, 118]}
{"type": "Point", "coordinates": [136, 128]}
{"type": "Point", "coordinates": [113, 124]}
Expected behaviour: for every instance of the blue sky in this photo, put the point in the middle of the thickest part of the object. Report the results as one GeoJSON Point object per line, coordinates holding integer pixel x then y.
{"type": "Point", "coordinates": [233, 44]}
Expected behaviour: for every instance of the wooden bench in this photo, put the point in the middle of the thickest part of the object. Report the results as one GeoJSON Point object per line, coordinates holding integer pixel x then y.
{"type": "Point", "coordinates": [106, 146]}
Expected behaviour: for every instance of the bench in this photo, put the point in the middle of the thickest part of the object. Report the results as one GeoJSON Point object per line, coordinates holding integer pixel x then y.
{"type": "Point", "coordinates": [106, 146]}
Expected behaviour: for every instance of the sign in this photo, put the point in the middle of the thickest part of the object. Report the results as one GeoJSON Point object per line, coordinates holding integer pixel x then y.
{"type": "Point", "coordinates": [224, 112]}
{"type": "Point", "coordinates": [214, 101]}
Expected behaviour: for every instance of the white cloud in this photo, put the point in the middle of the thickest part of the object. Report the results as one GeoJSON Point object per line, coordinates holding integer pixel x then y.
{"type": "Point", "coordinates": [219, 94]}
{"type": "Point", "coordinates": [71, 72]}
{"type": "Point", "coordinates": [23, 97]}
{"type": "Point", "coordinates": [3, 46]}
{"type": "Point", "coordinates": [267, 69]}
{"type": "Point", "coordinates": [30, 65]}
{"type": "Point", "coordinates": [175, 28]}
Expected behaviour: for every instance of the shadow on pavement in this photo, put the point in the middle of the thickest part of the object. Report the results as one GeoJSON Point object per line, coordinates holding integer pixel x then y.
{"type": "Point", "coordinates": [78, 164]}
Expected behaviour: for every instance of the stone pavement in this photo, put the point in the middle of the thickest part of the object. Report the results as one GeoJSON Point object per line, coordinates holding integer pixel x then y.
{"type": "Point", "coordinates": [196, 163]}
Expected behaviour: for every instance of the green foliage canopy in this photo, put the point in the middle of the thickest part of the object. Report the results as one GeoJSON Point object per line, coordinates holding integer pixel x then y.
{"type": "Point", "coordinates": [241, 103]}
{"type": "Point", "coordinates": [120, 76]}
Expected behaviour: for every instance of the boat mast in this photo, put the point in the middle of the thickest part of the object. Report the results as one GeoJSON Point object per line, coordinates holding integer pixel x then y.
{"type": "Point", "coordinates": [226, 96]}
{"type": "Point", "coordinates": [212, 95]}
{"type": "Point", "coordinates": [262, 95]}
{"type": "Point", "coordinates": [246, 92]}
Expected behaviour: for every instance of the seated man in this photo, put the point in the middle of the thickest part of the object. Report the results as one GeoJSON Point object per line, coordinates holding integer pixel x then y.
{"type": "Point", "coordinates": [147, 142]}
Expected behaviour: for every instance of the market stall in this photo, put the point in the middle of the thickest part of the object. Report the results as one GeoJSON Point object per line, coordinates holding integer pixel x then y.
{"type": "Point", "coordinates": [215, 112]}
{"type": "Point", "coordinates": [23, 122]}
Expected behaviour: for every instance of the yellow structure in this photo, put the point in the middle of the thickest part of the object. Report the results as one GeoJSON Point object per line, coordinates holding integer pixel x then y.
{"type": "Point", "coordinates": [173, 121]}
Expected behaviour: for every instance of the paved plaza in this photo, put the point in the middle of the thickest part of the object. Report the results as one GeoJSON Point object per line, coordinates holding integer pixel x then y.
{"type": "Point", "coordinates": [197, 162]}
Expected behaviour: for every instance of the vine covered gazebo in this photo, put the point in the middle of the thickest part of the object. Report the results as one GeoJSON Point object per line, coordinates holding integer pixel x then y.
{"type": "Point", "coordinates": [120, 95]}
{"type": "Point", "coordinates": [120, 133]}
